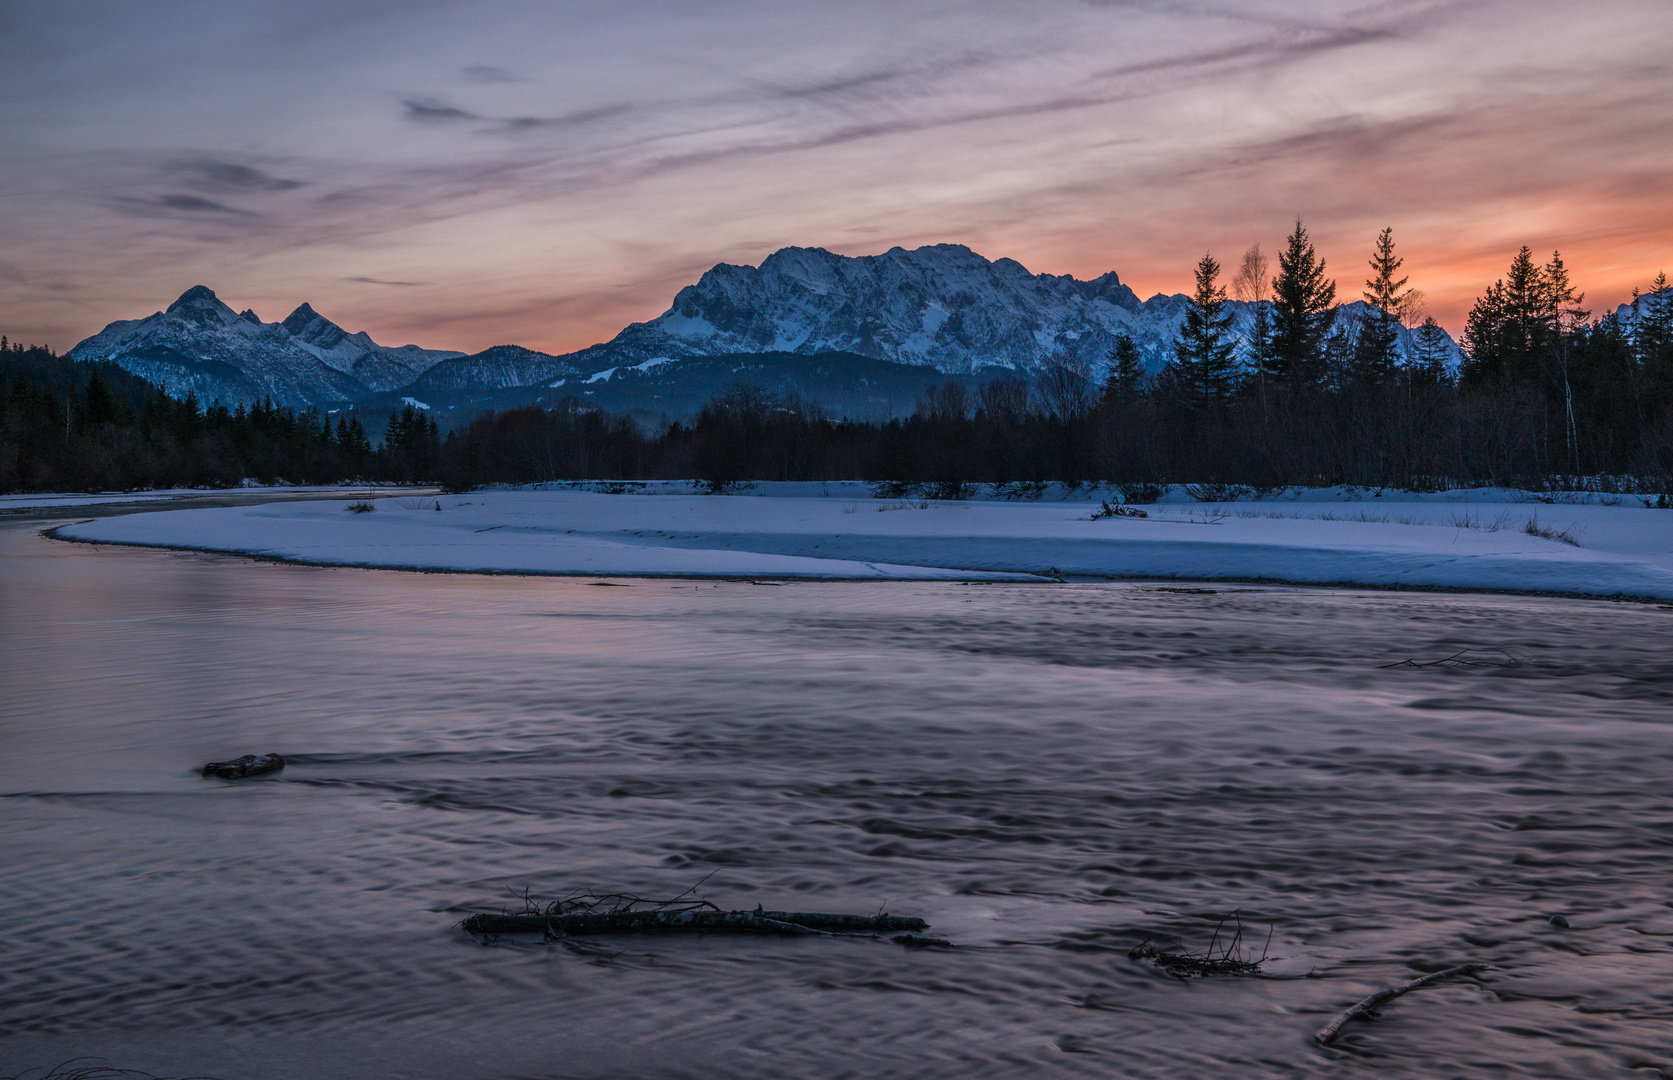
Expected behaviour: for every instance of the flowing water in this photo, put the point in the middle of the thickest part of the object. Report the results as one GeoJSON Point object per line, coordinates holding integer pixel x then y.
{"type": "Point", "coordinates": [1050, 774]}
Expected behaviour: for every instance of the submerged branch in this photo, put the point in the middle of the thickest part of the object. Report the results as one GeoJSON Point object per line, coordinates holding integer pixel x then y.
{"type": "Point", "coordinates": [788, 923]}
{"type": "Point", "coordinates": [1229, 959]}
{"type": "Point", "coordinates": [588, 913]}
{"type": "Point", "coordinates": [1332, 1029]}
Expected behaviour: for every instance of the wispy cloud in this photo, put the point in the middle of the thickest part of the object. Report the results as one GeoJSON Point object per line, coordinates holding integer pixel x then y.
{"type": "Point", "coordinates": [567, 120]}
{"type": "Point", "coordinates": [1286, 46]}
{"type": "Point", "coordinates": [631, 148]}
{"type": "Point", "coordinates": [430, 110]}
{"type": "Point", "coordinates": [488, 73]}
{"type": "Point", "coordinates": [380, 281]}
{"type": "Point", "coordinates": [176, 205]}
{"type": "Point", "coordinates": [232, 175]}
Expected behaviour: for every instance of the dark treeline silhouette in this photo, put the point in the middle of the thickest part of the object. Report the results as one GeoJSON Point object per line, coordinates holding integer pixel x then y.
{"type": "Point", "coordinates": [71, 426]}
{"type": "Point", "coordinates": [1545, 396]}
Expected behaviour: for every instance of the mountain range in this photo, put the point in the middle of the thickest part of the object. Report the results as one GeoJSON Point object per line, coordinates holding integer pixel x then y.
{"type": "Point", "coordinates": [866, 333]}
{"type": "Point", "coordinates": [202, 346]}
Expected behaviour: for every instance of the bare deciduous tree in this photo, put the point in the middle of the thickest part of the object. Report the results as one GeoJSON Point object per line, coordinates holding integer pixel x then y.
{"type": "Point", "coordinates": [1066, 388]}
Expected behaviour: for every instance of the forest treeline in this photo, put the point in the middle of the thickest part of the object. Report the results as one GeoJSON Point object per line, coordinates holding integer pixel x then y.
{"type": "Point", "coordinates": [72, 426]}
{"type": "Point", "coordinates": [1545, 394]}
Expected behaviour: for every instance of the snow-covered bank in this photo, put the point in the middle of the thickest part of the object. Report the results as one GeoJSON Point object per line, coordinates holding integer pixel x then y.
{"type": "Point", "coordinates": [50, 499]}
{"type": "Point", "coordinates": [1428, 543]}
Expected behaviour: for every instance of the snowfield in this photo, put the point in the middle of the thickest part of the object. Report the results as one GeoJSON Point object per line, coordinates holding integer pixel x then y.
{"type": "Point", "coordinates": [1459, 540]}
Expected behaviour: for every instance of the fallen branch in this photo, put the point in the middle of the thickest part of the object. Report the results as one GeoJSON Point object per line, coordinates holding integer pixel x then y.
{"type": "Point", "coordinates": [248, 765]}
{"type": "Point", "coordinates": [587, 913]}
{"type": "Point", "coordinates": [1330, 1030]}
{"type": "Point", "coordinates": [1503, 658]}
{"type": "Point", "coordinates": [787, 923]}
{"type": "Point", "coordinates": [1110, 510]}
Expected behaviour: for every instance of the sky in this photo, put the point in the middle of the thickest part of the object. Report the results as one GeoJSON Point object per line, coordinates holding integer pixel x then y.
{"type": "Point", "coordinates": [466, 174]}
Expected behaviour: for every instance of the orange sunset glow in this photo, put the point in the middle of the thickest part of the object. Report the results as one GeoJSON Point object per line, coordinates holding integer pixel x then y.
{"type": "Point", "coordinates": [472, 174]}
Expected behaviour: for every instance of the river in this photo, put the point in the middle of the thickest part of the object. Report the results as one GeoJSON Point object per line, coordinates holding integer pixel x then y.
{"type": "Point", "coordinates": [1050, 774]}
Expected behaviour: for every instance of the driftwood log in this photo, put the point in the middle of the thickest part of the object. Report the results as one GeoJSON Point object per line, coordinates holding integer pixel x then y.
{"type": "Point", "coordinates": [787, 923]}
{"type": "Point", "coordinates": [248, 765]}
{"type": "Point", "coordinates": [1330, 1030]}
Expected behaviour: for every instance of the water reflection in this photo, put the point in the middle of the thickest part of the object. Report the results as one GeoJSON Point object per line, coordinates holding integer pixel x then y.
{"type": "Point", "coordinates": [1047, 773]}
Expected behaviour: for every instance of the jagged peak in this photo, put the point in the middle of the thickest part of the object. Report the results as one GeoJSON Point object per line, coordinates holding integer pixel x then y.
{"type": "Point", "coordinates": [300, 318]}
{"type": "Point", "coordinates": [197, 296]}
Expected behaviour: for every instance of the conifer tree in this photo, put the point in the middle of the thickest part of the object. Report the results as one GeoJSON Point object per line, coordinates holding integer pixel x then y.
{"type": "Point", "coordinates": [1203, 370]}
{"type": "Point", "coordinates": [1652, 340]}
{"type": "Point", "coordinates": [1377, 342]}
{"type": "Point", "coordinates": [1126, 373]}
{"type": "Point", "coordinates": [351, 440]}
{"type": "Point", "coordinates": [1511, 325]}
{"type": "Point", "coordinates": [1430, 364]}
{"type": "Point", "coordinates": [1303, 310]}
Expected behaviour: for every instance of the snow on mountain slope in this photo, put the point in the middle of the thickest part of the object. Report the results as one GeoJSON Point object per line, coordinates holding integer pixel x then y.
{"type": "Point", "coordinates": [201, 345]}
{"type": "Point", "coordinates": [1631, 312]}
{"type": "Point", "coordinates": [380, 367]}
{"type": "Point", "coordinates": [943, 306]}
{"type": "Point", "coordinates": [497, 368]}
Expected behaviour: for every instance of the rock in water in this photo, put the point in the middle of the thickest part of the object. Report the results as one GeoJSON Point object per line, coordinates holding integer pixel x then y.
{"type": "Point", "coordinates": [248, 765]}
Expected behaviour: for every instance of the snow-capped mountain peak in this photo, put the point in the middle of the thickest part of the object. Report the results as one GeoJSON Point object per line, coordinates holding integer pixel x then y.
{"type": "Point", "coordinates": [943, 305]}
{"type": "Point", "coordinates": [200, 344]}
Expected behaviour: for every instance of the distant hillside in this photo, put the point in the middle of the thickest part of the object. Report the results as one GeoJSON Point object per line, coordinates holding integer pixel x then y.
{"type": "Point", "coordinates": [844, 384]}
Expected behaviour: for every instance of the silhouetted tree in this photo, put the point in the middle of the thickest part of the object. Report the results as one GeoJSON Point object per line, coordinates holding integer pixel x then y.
{"type": "Point", "coordinates": [1252, 286]}
{"type": "Point", "coordinates": [1303, 311]}
{"type": "Point", "coordinates": [1065, 387]}
{"type": "Point", "coordinates": [1203, 371]}
{"type": "Point", "coordinates": [1377, 337]}
{"type": "Point", "coordinates": [1125, 377]}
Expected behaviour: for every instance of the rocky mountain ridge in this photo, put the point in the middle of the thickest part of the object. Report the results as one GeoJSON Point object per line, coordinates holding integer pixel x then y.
{"type": "Point", "coordinates": [942, 307]}
{"type": "Point", "coordinates": [201, 345]}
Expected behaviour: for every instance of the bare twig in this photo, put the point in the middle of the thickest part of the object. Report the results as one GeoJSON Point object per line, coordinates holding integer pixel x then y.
{"type": "Point", "coordinates": [1502, 658]}
{"type": "Point", "coordinates": [74, 1069]}
{"type": "Point", "coordinates": [1332, 1029]}
{"type": "Point", "coordinates": [1228, 960]}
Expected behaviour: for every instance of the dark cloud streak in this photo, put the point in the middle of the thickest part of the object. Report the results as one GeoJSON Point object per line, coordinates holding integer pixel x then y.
{"type": "Point", "coordinates": [175, 205]}
{"type": "Point", "coordinates": [429, 111]}
{"type": "Point", "coordinates": [229, 175]}
{"type": "Point", "coordinates": [487, 73]}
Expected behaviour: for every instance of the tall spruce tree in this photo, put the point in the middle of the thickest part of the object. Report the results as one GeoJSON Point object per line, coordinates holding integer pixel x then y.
{"type": "Point", "coordinates": [1430, 362]}
{"type": "Point", "coordinates": [1126, 372]}
{"type": "Point", "coordinates": [1303, 311]}
{"type": "Point", "coordinates": [1376, 350]}
{"type": "Point", "coordinates": [1652, 331]}
{"type": "Point", "coordinates": [1203, 371]}
{"type": "Point", "coordinates": [1509, 330]}
{"type": "Point", "coordinates": [1652, 350]}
